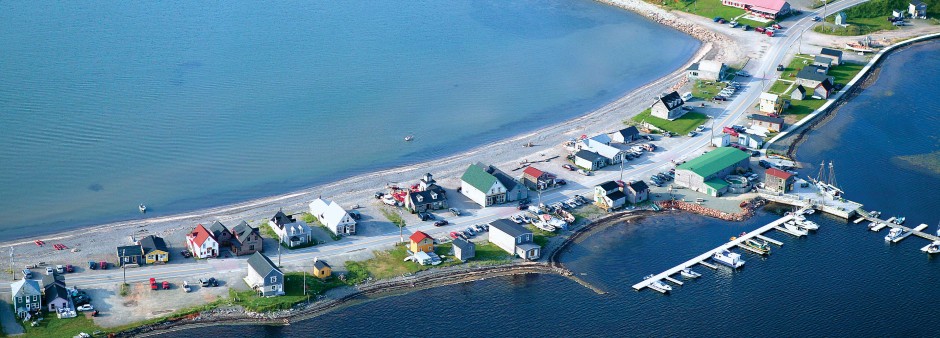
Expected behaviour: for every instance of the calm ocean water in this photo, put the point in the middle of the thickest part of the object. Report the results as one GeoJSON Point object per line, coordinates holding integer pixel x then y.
{"type": "Point", "coordinates": [188, 105]}
{"type": "Point", "coordinates": [841, 281]}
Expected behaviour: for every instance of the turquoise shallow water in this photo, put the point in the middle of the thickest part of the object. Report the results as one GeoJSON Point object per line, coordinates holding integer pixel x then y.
{"type": "Point", "coordinates": [842, 281]}
{"type": "Point", "coordinates": [188, 105]}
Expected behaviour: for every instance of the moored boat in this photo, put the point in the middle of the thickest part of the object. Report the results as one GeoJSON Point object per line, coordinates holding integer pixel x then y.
{"type": "Point", "coordinates": [806, 224]}
{"type": "Point", "coordinates": [762, 246]}
{"type": "Point", "coordinates": [688, 273]}
{"type": "Point", "coordinates": [142, 208]}
{"type": "Point", "coordinates": [728, 258]}
{"type": "Point", "coordinates": [659, 285]}
{"type": "Point", "coordinates": [933, 247]}
{"type": "Point", "coordinates": [899, 220]}
{"type": "Point", "coordinates": [895, 235]}
{"type": "Point", "coordinates": [795, 228]}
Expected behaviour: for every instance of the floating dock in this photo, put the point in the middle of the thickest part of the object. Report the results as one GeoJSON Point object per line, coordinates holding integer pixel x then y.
{"type": "Point", "coordinates": [700, 259]}
{"type": "Point", "coordinates": [918, 231]}
{"type": "Point", "coordinates": [878, 227]}
{"type": "Point", "coordinates": [770, 240]}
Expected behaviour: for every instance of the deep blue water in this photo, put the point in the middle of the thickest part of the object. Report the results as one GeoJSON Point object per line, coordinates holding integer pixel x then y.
{"type": "Point", "coordinates": [186, 105]}
{"type": "Point", "coordinates": [841, 281]}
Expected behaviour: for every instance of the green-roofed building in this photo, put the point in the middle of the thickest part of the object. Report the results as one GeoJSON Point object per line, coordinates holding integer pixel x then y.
{"type": "Point", "coordinates": [481, 186]}
{"type": "Point", "coordinates": [706, 173]}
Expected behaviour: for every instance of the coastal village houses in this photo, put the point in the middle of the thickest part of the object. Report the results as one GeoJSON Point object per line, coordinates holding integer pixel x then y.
{"type": "Point", "coordinates": [246, 240]}
{"type": "Point", "coordinates": [707, 70]}
{"type": "Point", "coordinates": [798, 93]}
{"type": "Point", "coordinates": [426, 196]}
{"type": "Point", "coordinates": [769, 9]}
{"type": "Point", "coordinates": [589, 160]}
{"type": "Point", "coordinates": [834, 54]}
{"type": "Point", "coordinates": [264, 277]}
{"type": "Point", "coordinates": [823, 61]}
{"type": "Point", "coordinates": [155, 250]}
{"type": "Point", "coordinates": [636, 191]}
{"type": "Point", "coordinates": [321, 269]}
{"type": "Point", "coordinates": [514, 239]}
{"type": "Point", "coordinates": [668, 107]}
{"type": "Point", "coordinates": [601, 145]}
{"type": "Point", "coordinates": [823, 90]}
{"type": "Point", "coordinates": [420, 241]}
{"type": "Point", "coordinates": [201, 243]}
{"type": "Point", "coordinates": [778, 180]}
{"type": "Point", "coordinates": [26, 297]}
{"type": "Point", "coordinates": [706, 173]}
{"type": "Point", "coordinates": [463, 249]}
{"type": "Point", "coordinates": [811, 76]}
{"type": "Point", "coordinates": [535, 179]}
{"type": "Point", "coordinates": [290, 231]}
{"type": "Point", "coordinates": [333, 216]}
{"type": "Point", "coordinates": [626, 135]}
{"type": "Point", "coordinates": [770, 103]}
{"type": "Point", "coordinates": [488, 186]}
{"type": "Point", "coordinates": [917, 9]}
{"type": "Point", "coordinates": [764, 121]}
{"type": "Point", "coordinates": [130, 255]}
{"type": "Point", "coordinates": [609, 196]}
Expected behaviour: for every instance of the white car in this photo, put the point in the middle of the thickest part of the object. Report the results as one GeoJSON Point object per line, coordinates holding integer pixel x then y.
{"type": "Point", "coordinates": [86, 307]}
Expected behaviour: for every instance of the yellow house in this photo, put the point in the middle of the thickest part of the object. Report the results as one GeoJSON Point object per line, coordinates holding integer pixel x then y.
{"type": "Point", "coordinates": [771, 103]}
{"type": "Point", "coordinates": [321, 270]}
{"type": "Point", "coordinates": [154, 249]}
{"type": "Point", "coordinates": [420, 241]}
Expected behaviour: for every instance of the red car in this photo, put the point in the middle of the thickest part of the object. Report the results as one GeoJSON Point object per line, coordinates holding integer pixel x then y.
{"type": "Point", "coordinates": [69, 268]}
{"type": "Point", "coordinates": [166, 285]}
{"type": "Point", "coordinates": [153, 283]}
{"type": "Point", "coordinates": [103, 265]}
{"type": "Point", "coordinates": [777, 26]}
{"type": "Point", "coordinates": [453, 235]}
{"type": "Point", "coordinates": [569, 167]}
{"type": "Point", "coordinates": [759, 29]}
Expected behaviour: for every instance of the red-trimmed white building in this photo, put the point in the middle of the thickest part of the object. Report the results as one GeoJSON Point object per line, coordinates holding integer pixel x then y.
{"type": "Point", "coordinates": [201, 243]}
{"type": "Point", "coordinates": [770, 9]}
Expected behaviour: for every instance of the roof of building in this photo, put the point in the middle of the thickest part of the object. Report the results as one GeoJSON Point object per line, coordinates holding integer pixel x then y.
{"type": "Point", "coordinates": [772, 5]}
{"type": "Point", "coordinates": [588, 155]}
{"type": "Point", "coordinates": [218, 229]}
{"type": "Point", "coordinates": [716, 183]}
{"type": "Point", "coordinates": [841, 14]}
{"type": "Point", "coordinates": [602, 138]}
{"type": "Point", "coordinates": [672, 100]}
{"type": "Point", "coordinates": [811, 73]}
{"type": "Point", "coordinates": [710, 66]}
{"type": "Point", "coordinates": [320, 264]}
{"type": "Point", "coordinates": [419, 236]}
{"type": "Point", "coordinates": [261, 264]}
{"type": "Point", "coordinates": [200, 234]}
{"type": "Point", "coordinates": [27, 286]}
{"type": "Point", "coordinates": [418, 197]}
{"type": "Point", "coordinates": [463, 244]}
{"type": "Point", "coordinates": [799, 88]}
{"type": "Point", "coordinates": [508, 181]}
{"type": "Point", "coordinates": [129, 250]}
{"type": "Point", "coordinates": [477, 177]}
{"type": "Point", "coordinates": [616, 195]}
{"type": "Point", "coordinates": [509, 227]}
{"type": "Point", "coordinates": [150, 243]}
{"type": "Point", "coordinates": [714, 161]}
{"type": "Point", "coordinates": [47, 280]}
{"type": "Point", "coordinates": [242, 230]}
{"type": "Point", "coordinates": [628, 132]}
{"type": "Point", "coordinates": [56, 291]}
{"type": "Point", "coordinates": [604, 150]}
{"type": "Point", "coordinates": [825, 84]}
{"type": "Point", "coordinates": [769, 96]}
{"type": "Point", "coordinates": [765, 118]}
{"type": "Point", "coordinates": [280, 219]}
{"type": "Point", "coordinates": [328, 212]}
{"type": "Point", "coordinates": [694, 66]}
{"type": "Point", "coordinates": [609, 185]}
{"type": "Point", "coordinates": [778, 173]}
{"type": "Point", "coordinates": [917, 3]}
{"type": "Point", "coordinates": [639, 186]}
{"type": "Point", "coordinates": [833, 52]}
{"type": "Point", "coordinates": [823, 59]}
{"type": "Point", "coordinates": [533, 171]}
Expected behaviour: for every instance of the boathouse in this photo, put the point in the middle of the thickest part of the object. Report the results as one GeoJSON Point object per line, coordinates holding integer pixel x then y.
{"type": "Point", "coordinates": [706, 173]}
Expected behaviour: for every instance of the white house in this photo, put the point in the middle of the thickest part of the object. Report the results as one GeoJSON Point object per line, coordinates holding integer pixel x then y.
{"type": "Point", "coordinates": [289, 230]}
{"type": "Point", "coordinates": [589, 160]}
{"type": "Point", "coordinates": [668, 107]}
{"type": "Point", "coordinates": [333, 216]}
{"type": "Point", "coordinates": [707, 70]}
{"type": "Point", "coordinates": [201, 243]}
{"type": "Point", "coordinates": [609, 195]}
{"type": "Point", "coordinates": [612, 154]}
{"type": "Point", "coordinates": [264, 277]}
{"type": "Point", "coordinates": [482, 187]}
{"type": "Point", "coordinates": [515, 239]}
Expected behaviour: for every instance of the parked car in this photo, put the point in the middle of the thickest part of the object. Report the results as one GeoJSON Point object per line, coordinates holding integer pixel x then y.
{"type": "Point", "coordinates": [378, 195]}
{"type": "Point", "coordinates": [60, 268]}
{"type": "Point", "coordinates": [720, 98]}
{"type": "Point", "coordinates": [186, 253]}
{"type": "Point", "coordinates": [746, 27]}
{"type": "Point", "coordinates": [569, 167]}
{"type": "Point", "coordinates": [455, 211]}
{"type": "Point", "coordinates": [441, 223]}
{"type": "Point", "coordinates": [103, 265]}
{"type": "Point", "coordinates": [186, 287]}
{"type": "Point", "coordinates": [153, 283]}
{"type": "Point", "coordinates": [424, 216]}
{"type": "Point", "coordinates": [470, 231]}
{"type": "Point", "coordinates": [779, 68]}
{"type": "Point", "coordinates": [69, 268]}
{"type": "Point", "coordinates": [207, 282]}
{"type": "Point", "coordinates": [759, 29]}
{"type": "Point", "coordinates": [692, 134]}
{"type": "Point", "coordinates": [80, 299]}
{"type": "Point", "coordinates": [743, 73]}
{"type": "Point", "coordinates": [166, 285]}
{"type": "Point", "coordinates": [92, 265]}
{"type": "Point", "coordinates": [561, 182]}
{"type": "Point", "coordinates": [86, 307]}
{"type": "Point", "coordinates": [27, 273]}
{"type": "Point", "coordinates": [716, 19]}
{"type": "Point", "coordinates": [585, 172]}
{"type": "Point", "coordinates": [453, 235]}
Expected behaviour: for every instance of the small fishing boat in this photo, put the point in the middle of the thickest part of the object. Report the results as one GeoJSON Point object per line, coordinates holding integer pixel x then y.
{"type": "Point", "coordinates": [762, 246]}
{"type": "Point", "coordinates": [795, 228]}
{"type": "Point", "coordinates": [899, 220]}
{"type": "Point", "coordinates": [688, 273]}
{"type": "Point", "coordinates": [875, 213]}
{"type": "Point", "coordinates": [728, 258]}
{"type": "Point", "coordinates": [409, 138]}
{"type": "Point", "coordinates": [933, 247]}
{"type": "Point", "coordinates": [659, 285]}
{"type": "Point", "coordinates": [142, 208]}
{"type": "Point", "coordinates": [810, 211]}
{"type": "Point", "coordinates": [896, 234]}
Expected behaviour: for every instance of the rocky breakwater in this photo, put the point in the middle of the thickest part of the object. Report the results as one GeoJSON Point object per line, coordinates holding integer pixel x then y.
{"type": "Point", "coordinates": [747, 209]}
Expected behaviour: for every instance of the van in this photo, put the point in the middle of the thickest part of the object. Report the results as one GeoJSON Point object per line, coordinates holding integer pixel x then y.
{"type": "Point", "coordinates": [686, 96]}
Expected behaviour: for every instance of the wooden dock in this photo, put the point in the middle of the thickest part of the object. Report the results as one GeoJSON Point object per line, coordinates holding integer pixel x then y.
{"type": "Point", "coordinates": [915, 231]}
{"type": "Point", "coordinates": [700, 259]}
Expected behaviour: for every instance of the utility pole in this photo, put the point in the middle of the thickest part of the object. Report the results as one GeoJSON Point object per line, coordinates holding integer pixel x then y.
{"type": "Point", "coordinates": [12, 269]}
{"type": "Point", "coordinates": [124, 266]}
{"type": "Point", "coordinates": [401, 227]}
{"type": "Point", "coordinates": [278, 254]}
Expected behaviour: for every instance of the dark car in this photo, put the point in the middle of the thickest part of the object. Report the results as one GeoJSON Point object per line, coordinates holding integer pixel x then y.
{"type": "Point", "coordinates": [92, 265]}
{"type": "Point", "coordinates": [716, 19]}
{"type": "Point", "coordinates": [746, 27]}
{"type": "Point", "coordinates": [561, 182]}
{"type": "Point", "coordinates": [378, 195]}
{"type": "Point", "coordinates": [569, 167]}
{"type": "Point", "coordinates": [186, 253]}
{"type": "Point", "coordinates": [424, 216]}
{"type": "Point", "coordinates": [441, 223]}
{"type": "Point", "coordinates": [720, 98]}
{"type": "Point", "coordinates": [779, 68]}
{"type": "Point", "coordinates": [80, 300]}
{"type": "Point", "coordinates": [207, 282]}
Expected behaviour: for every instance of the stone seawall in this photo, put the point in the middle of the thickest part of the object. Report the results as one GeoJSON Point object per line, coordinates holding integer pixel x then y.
{"type": "Point", "coordinates": [747, 209]}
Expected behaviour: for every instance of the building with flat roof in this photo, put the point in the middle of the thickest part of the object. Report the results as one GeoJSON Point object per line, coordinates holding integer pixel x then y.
{"type": "Point", "coordinates": [770, 9]}
{"type": "Point", "coordinates": [706, 173]}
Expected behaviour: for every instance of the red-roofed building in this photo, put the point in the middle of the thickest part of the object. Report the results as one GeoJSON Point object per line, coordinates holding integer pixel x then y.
{"type": "Point", "coordinates": [421, 241]}
{"type": "Point", "coordinates": [535, 179]}
{"type": "Point", "coordinates": [778, 180]}
{"type": "Point", "coordinates": [770, 9]}
{"type": "Point", "coordinates": [201, 242]}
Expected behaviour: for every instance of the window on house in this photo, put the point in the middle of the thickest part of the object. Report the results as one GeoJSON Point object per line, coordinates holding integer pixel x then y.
{"type": "Point", "coordinates": [274, 279]}
{"type": "Point", "coordinates": [19, 299]}
{"type": "Point", "coordinates": [35, 298]}
{"type": "Point", "coordinates": [251, 247]}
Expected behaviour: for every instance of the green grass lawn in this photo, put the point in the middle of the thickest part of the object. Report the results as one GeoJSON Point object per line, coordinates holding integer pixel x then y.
{"type": "Point", "coordinates": [780, 87]}
{"type": "Point", "coordinates": [705, 8]}
{"type": "Point", "coordinates": [51, 326]}
{"type": "Point", "coordinates": [789, 72]}
{"type": "Point", "coordinates": [293, 289]}
{"type": "Point", "coordinates": [311, 220]}
{"type": "Point", "coordinates": [800, 108]}
{"type": "Point", "coordinates": [706, 90]}
{"type": "Point", "coordinates": [541, 240]}
{"type": "Point", "coordinates": [539, 232]}
{"type": "Point", "coordinates": [753, 23]}
{"type": "Point", "coordinates": [681, 126]}
{"type": "Point", "coordinates": [845, 72]}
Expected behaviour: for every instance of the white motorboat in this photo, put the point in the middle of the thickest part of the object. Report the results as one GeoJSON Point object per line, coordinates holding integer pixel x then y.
{"type": "Point", "coordinates": [875, 213]}
{"type": "Point", "coordinates": [896, 234]}
{"type": "Point", "coordinates": [659, 285]}
{"type": "Point", "coordinates": [932, 248]}
{"type": "Point", "coordinates": [688, 273]}
{"type": "Point", "coordinates": [806, 224]}
{"type": "Point", "coordinates": [409, 138]}
{"type": "Point", "coordinates": [142, 208]}
{"type": "Point", "coordinates": [795, 229]}
{"type": "Point", "coordinates": [810, 211]}
{"type": "Point", "coordinates": [728, 258]}
{"type": "Point", "coordinates": [516, 218]}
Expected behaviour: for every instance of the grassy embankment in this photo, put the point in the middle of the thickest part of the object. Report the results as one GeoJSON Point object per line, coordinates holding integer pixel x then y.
{"type": "Point", "coordinates": [873, 16]}
{"type": "Point", "coordinates": [51, 326]}
{"type": "Point", "coordinates": [801, 108]}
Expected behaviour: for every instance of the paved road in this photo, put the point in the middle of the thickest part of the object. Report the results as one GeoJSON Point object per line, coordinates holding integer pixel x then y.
{"type": "Point", "coordinates": [655, 163]}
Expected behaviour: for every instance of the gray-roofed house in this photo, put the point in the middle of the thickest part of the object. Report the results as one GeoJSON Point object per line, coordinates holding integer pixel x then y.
{"type": "Point", "coordinates": [811, 76]}
{"type": "Point", "coordinates": [589, 160]}
{"type": "Point", "coordinates": [26, 297]}
{"type": "Point", "coordinates": [464, 249]}
{"type": "Point", "coordinates": [482, 187]}
{"type": "Point", "coordinates": [626, 135]}
{"type": "Point", "coordinates": [221, 234]}
{"type": "Point", "coordinates": [707, 70]}
{"type": "Point", "coordinates": [514, 239]}
{"type": "Point", "coordinates": [834, 54]}
{"type": "Point", "coordinates": [917, 9]}
{"type": "Point", "coordinates": [668, 107]}
{"type": "Point", "coordinates": [246, 240]}
{"type": "Point", "coordinates": [515, 190]}
{"type": "Point", "coordinates": [154, 249]}
{"type": "Point", "coordinates": [609, 196]}
{"type": "Point", "coordinates": [264, 277]}
{"type": "Point", "coordinates": [130, 255]}
{"type": "Point", "coordinates": [823, 90]}
{"type": "Point", "coordinates": [289, 230]}
{"type": "Point", "coordinates": [822, 61]}
{"type": "Point", "coordinates": [771, 123]}
{"type": "Point", "coordinates": [798, 93]}
{"type": "Point", "coordinates": [333, 216]}
{"type": "Point", "coordinates": [636, 191]}
{"type": "Point", "coordinates": [897, 13]}
{"type": "Point", "coordinates": [57, 297]}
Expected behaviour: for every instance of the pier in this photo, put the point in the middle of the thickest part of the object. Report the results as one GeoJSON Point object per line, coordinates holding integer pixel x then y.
{"type": "Point", "coordinates": [700, 259]}
{"type": "Point", "coordinates": [890, 223]}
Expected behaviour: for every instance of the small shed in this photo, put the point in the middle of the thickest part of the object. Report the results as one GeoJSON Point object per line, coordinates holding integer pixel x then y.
{"type": "Point", "coordinates": [841, 19]}
{"type": "Point", "coordinates": [897, 13]}
{"type": "Point", "coordinates": [823, 90]}
{"type": "Point", "coordinates": [799, 93]}
{"type": "Point", "coordinates": [464, 249]}
{"type": "Point", "coordinates": [722, 140]}
{"type": "Point", "coordinates": [321, 269]}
